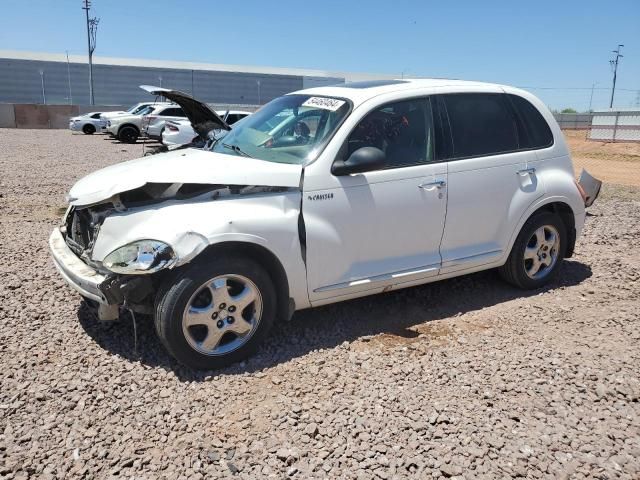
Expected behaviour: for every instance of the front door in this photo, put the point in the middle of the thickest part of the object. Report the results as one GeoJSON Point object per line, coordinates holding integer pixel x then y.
{"type": "Point", "coordinates": [378, 229]}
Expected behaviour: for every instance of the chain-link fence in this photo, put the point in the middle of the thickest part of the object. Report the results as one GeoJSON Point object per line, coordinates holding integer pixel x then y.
{"type": "Point", "coordinates": [610, 148]}
{"type": "Point", "coordinates": [620, 126]}
{"type": "Point", "coordinates": [574, 121]}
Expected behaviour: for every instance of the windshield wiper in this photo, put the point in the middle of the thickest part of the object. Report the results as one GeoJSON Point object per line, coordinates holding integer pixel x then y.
{"type": "Point", "coordinates": [236, 149]}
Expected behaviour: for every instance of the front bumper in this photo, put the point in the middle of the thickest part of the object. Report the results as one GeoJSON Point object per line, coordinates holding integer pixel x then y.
{"type": "Point", "coordinates": [75, 126]}
{"type": "Point", "coordinates": [80, 276]}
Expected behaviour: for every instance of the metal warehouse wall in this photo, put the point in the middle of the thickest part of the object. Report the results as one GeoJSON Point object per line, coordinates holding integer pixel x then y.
{"type": "Point", "coordinates": [21, 82]}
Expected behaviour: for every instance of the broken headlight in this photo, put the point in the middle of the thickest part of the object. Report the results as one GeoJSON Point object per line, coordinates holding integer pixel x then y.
{"type": "Point", "coordinates": [142, 256]}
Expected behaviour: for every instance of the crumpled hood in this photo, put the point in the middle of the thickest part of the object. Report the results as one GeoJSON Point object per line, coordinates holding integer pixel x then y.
{"type": "Point", "coordinates": [182, 166]}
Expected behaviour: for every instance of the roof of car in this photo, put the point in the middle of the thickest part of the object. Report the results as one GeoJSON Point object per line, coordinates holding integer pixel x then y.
{"type": "Point", "coordinates": [359, 92]}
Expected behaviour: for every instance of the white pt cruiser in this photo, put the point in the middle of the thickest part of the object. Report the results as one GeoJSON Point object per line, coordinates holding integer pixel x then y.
{"type": "Point", "coordinates": [323, 195]}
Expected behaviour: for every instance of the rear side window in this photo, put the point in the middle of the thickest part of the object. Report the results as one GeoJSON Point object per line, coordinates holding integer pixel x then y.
{"type": "Point", "coordinates": [172, 112]}
{"type": "Point", "coordinates": [481, 124]}
{"type": "Point", "coordinates": [534, 131]}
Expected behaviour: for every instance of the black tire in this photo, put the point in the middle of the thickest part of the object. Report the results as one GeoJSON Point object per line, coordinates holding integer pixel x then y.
{"type": "Point", "coordinates": [173, 297]}
{"type": "Point", "coordinates": [128, 134]}
{"type": "Point", "coordinates": [89, 129]}
{"type": "Point", "coordinates": [514, 270]}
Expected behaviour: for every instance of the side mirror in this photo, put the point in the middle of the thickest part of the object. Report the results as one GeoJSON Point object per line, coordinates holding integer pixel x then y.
{"type": "Point", "coordinates": [363, 159]}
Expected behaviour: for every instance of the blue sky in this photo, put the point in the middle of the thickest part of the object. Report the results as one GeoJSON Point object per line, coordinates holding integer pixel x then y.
{"type": "Point", "coordinates": [561, 44]}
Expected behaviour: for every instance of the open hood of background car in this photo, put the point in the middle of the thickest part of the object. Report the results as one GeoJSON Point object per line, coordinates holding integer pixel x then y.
{"type": "Point", "coordinates": [189, 166]}
{"type": "Point", "coordinates": [202, 118]}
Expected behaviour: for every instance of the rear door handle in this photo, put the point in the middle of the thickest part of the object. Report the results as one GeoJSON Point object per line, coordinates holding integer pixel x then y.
{"type": "Point", "coordinates": [527, 171]}
{"type": "Point", "coordinates": [437, 183]}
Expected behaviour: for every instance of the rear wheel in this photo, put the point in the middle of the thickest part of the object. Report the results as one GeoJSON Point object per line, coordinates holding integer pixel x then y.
{"type": "Point", "coordinates": [537, 252]}
{"type": "Point", "coordinates": [212, 315]}
{"type": "Point", "coordinates": [128, 134]}
{"type": "Point", "coordinates": [89, 129]}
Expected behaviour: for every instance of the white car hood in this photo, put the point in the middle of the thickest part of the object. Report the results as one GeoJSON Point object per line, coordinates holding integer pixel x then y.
{"type": "Point", "coordinates": [182, 166]}
{"type": "Point", "coordinates": [126, 117]}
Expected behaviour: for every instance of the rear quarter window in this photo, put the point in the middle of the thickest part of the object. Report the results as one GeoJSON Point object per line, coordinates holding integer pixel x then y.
{"type": "Point", "coordinates": [534, 131]}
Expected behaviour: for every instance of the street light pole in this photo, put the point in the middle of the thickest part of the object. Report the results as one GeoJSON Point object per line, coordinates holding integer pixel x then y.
{"type": "Point", "coordinates": [614, 65]}
{"type": "Point", "coordinates": [69, 78]}
{"type": "Point", "coordinates": [259, 93]}
{"type": "Point", "coordinates": [44, 96]}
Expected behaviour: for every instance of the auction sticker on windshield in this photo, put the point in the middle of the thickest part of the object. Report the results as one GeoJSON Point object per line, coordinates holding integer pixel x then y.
{"type": "Point", "coordinates": [325, 103]}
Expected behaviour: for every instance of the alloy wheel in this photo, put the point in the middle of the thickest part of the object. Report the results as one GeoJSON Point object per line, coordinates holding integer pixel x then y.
{"type": "Point", "coordinates": [222, 314]}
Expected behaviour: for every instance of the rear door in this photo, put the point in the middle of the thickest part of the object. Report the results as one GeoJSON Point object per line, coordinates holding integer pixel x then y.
{"type": "Point", "coordinates": [492, 179]}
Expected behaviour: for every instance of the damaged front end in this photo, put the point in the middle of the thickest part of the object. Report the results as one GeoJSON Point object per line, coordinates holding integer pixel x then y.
{"type": "Point", "coordinates": [79, 232]}
{"type": "Point", "coordinates": [113, 266]}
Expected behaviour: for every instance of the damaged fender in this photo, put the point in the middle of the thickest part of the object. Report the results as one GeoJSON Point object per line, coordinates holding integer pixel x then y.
{"type": "Point", "coordinates": [269, 220]}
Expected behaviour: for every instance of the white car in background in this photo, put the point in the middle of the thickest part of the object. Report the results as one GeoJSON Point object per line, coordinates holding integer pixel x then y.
{"type": "Point", "coordinates": [153, 124]}
{"type": "Point", "coordinates": [89, 123]}
{"type": "Point", "coordinates": [323, 195]}
{"type": "Point", "coordinates": [127, 128]}
{"type": "Point", "coordinates": [133, 110]}
{"type": "Point", "coordinates": [180, 132]}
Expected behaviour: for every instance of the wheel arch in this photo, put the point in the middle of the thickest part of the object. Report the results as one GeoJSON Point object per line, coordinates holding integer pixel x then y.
{"type": "Point", "coordinates": [566, 214]}
{"type": "Point", "coordinates": [128, 125]}
{"type": "Point", "coordinates": [267, 259]}
{"type": "Point", "coordinates": [557, 205]}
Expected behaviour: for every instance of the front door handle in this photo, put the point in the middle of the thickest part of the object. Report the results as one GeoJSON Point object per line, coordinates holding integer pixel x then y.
{"type": "Point", "coordinates": [437, 183]}
{"type": "Point", "coordinates": [527, 171]}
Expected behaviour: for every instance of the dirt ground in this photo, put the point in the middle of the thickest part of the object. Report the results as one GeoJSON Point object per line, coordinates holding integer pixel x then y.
{"type": "Point", "coordinates": [467, 378]}
{"type": "Point", "coordinates": [617, 163]}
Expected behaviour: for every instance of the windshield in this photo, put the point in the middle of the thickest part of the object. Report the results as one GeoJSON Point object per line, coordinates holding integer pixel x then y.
{"type": "Point", "coordinates": [289, 129]}
{"type": "Point", "coordinates": [133, 108]}
{"type": "Point", "coordinates": [144, 110]}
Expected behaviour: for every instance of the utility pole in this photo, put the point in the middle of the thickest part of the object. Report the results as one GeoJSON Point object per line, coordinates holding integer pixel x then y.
{"type": "Point", "coordinates": [259, 92]}
{"type": "Point", "coordinates": [92, 30]}
{"type": "Point", "coordinates": [614, 66]}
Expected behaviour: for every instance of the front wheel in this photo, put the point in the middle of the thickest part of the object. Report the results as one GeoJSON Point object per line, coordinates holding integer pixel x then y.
{"type": "Point", "coordinates": [212, 315]}
{"type": "Point", "coordinates": [537, 252]}
{"type": "Point", "coordinates": [89, 129]}
{"type": "Point", "coordinates": [128, 134]}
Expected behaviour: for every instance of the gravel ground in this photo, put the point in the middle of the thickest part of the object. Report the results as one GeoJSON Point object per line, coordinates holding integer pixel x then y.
{"type": "Point", "coordinates": [466, 378]}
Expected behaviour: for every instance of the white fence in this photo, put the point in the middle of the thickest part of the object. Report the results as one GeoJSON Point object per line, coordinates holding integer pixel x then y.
{"type": "Point", "coordinates": [616, 126]}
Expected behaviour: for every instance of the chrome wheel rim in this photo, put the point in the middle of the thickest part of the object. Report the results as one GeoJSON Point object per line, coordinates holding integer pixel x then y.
{"type": "Point", "coordinates": [222, 314]}
{"type": "Point", "coordinates": [541, 252]}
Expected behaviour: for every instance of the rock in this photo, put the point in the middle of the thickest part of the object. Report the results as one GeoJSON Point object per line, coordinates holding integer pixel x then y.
{"type": "Point", "coordinates": [311, 429]}
{"type": "Point", "coordinates": [450, 470]}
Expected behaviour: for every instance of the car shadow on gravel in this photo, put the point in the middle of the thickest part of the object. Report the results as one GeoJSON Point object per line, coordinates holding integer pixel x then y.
{"type": "Point", "coordinates": [394, 314]}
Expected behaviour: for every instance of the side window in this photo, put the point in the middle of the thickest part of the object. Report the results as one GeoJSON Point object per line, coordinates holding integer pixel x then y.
{"type": "Point", "coordinates": [95, 115]}
{"type": "Point", "coordinates": [172, 112]}
{"type": "Point", "coordinates": [232, 118]}
{"type": "Point", "coordinates": [403, 130]}
{"type": "Point", "coordinates": [481, 124]}
{"type": "Point", "coordinates": [534, 131]}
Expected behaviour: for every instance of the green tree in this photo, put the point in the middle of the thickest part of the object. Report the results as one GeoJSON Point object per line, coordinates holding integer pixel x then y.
{"type": "Point", "coordinates": [568, 110]}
